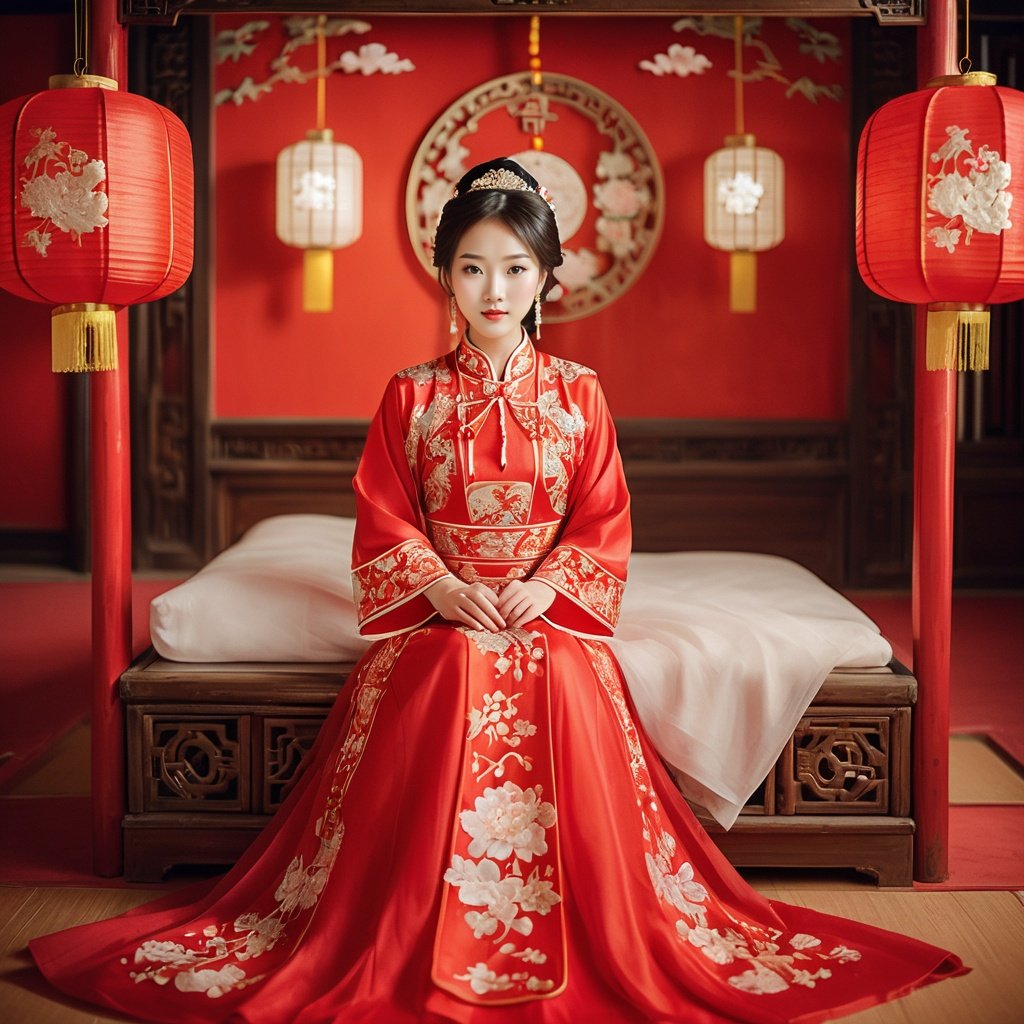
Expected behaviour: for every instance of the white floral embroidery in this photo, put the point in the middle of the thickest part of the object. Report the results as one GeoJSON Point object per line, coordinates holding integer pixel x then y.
{"type": "Point", "coordinates": [509, 820]}
{"type": "Point", "coordinates": [760, 981]}
{"type": "Point", "coordinates": [970, 191]}
{"type": "Point", "coordinates": [213, 983]}
{"type": "Point", "coordinates": [706, 924]}
{"type": "Point", "coordinates": [68, 200]}
{"type": "Point", "coordinates": [482, 979]}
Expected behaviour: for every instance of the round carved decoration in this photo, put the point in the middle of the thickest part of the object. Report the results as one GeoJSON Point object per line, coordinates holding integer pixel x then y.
{"type": "Point", "coordinates": [597, 164]}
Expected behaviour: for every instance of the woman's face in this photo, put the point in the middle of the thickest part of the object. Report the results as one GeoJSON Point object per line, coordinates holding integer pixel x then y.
{"type": "Point", "coordinates": [495, 280]}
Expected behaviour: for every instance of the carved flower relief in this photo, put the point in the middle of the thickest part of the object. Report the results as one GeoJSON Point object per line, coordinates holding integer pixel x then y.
{"type": "Point", "coordinates": [977, 200]}
{"type": "Point", "coordinates": [68, 199]}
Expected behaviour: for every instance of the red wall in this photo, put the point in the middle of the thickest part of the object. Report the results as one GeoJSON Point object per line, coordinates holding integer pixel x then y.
{"type": "Point", "coordinates": [668, 347]}
{"type": "Point", "coordinates": [33, 456]}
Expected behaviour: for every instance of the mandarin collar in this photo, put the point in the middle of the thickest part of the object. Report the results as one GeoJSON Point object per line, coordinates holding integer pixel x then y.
{"type": "Point", "coordinates": [474, 362]}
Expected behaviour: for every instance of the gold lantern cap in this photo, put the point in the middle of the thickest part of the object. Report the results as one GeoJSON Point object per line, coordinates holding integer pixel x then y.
{"type": "Point", "coordinates": [970, 78]}
{"type": "Point", "coordinates": [742, 140]}
{"type": "Point", "coordinates": [320, 135]}
{"type": "Point", "coordinates": [82, 82]}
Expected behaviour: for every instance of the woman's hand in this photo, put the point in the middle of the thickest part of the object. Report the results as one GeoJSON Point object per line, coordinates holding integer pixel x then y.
{"type": "Point", "coordinates": [471, 604]}
{"type": "Point", "coordinates": [520, 602]}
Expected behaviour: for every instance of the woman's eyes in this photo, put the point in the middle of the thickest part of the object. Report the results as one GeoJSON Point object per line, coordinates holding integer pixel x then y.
{"type": "Point", "coordinates": [514, 271]}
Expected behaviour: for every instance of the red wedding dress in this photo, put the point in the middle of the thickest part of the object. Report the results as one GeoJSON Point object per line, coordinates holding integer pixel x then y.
{"type": "Point", "coordinates": [484, 833]}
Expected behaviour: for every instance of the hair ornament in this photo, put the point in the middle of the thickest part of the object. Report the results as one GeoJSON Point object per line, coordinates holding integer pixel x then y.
{"type": "Point", "coordinates": [503, 178]}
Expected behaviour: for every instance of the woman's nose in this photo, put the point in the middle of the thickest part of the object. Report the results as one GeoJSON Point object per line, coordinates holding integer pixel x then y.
{"type": "Point", "coordinates": [494, 289]}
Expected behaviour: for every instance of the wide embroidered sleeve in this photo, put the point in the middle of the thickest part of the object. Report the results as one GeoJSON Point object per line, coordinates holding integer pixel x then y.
{"type": "Point", "coordinates": [587, 568]}
{"type": "Point", "coordinates": [393, 563]}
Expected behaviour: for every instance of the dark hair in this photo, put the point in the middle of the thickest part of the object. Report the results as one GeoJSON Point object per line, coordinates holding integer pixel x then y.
{"type": "Point", "coordinates": [522, 210]}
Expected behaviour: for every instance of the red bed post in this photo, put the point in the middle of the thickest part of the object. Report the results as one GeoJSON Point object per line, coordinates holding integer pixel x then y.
{"type": "Point", "coordinates": [111, 519]}
{"type": "Point", "coordinates": [934, 449]}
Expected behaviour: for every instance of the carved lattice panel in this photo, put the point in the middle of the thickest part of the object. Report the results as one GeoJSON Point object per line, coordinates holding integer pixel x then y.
{"type": "Point", "coordinates": [837, 765]}
{"type": "Point", "coordinates": [762, 800]}
{"type": "Point", "coordinates": [196, 764]}
{"type": "Point", "coordinates": [286, 744]}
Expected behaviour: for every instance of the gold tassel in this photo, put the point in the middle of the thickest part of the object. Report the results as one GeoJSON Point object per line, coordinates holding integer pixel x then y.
{"type": "Point", "coordinates": [84, 337]}
{"type": "Point", "coordinates": [957, 337]}
{"type": "Point", "coordinates": [742, 282]}
{"type": "Point", "coordinates": [317, 280]}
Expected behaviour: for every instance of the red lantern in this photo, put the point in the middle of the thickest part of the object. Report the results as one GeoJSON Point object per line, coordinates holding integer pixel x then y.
{"type": "Point", "coordinates": [936, 223]}
{"type": "Point", "coordinates": [101, 184]}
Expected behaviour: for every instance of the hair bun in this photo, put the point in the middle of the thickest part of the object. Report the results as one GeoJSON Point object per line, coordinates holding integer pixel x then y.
{"type": "Point", "coordinates": [500, 173]}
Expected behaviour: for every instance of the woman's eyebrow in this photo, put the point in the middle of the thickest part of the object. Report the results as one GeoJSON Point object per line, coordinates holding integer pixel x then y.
{"type": "Point", "coordinates": [514, 256]}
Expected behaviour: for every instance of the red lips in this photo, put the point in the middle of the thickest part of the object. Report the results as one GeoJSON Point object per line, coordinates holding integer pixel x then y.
{"type": "Point", "coordinates": [494, 314]}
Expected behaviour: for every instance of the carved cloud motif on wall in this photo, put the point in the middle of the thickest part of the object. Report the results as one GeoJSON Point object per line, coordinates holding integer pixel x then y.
{"type": "Point", "coordinates": [300, 32]}
{"type": "Point", "coordinates": [685, 60]}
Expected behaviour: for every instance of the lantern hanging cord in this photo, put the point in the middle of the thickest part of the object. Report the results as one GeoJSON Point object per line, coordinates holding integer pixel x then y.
{"type": "Point", "coordinates": [965, 59]}
{"type": "Point", "coordinates": [321, 77]}
{"type": "Point", "coordinates": [737, 23]}
{"type": "Point", "coordinates": [536, 78]}
{"type": "Point", "coordinates": [81, 28]}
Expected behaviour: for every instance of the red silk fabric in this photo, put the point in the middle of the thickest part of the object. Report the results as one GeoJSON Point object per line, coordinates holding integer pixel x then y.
{"type": "Point", "coordinates": [484, 834]}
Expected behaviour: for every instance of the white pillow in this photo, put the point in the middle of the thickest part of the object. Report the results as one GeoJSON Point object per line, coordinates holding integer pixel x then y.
{"type": "Point", "coordinates": [283, 592]}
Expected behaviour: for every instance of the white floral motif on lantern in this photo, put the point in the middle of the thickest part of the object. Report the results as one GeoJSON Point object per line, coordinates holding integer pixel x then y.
{"type": "Point", "coordinates": [68, 199]}
{"type": "Point", "coordinates": [315, 191]}
{"type": "Point", "coordinates": [509, 820]}
{"type": "Point", "coordinates": [741, 194]}
{"type": "Point", "coordinates": [976, 200]}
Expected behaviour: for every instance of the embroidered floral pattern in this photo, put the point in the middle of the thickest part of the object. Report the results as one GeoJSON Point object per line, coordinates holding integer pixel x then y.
{"type": "Point", "coordinates": [583, 580]}
{"type": "Point", "coordinates": [505, 544]}
{"type": "Point", "coordinates": [565, 369]}
{"type": "Point", "coordinates": [502, 881]}
{"type": "Point", "coordinates": [396, 576]}
{"type": "Point", "coordinates": [769, 960]}
{"type": "Point", "coordinates": [494, 503]}
{"type": "Point", "coordinates": [970, 192]}
{"type": "Point", "coordinates": [211, 963]}
{"type": "Point", "coordinates": [67, 198]}
{"type": "Point", "coordinates": [435, 370]}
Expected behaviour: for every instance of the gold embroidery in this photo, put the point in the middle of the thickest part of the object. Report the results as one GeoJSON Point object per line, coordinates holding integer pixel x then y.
{"type": "Point", "coordinates": [585, 581]}
{"type": "Point", "coordinates": [397, 575]}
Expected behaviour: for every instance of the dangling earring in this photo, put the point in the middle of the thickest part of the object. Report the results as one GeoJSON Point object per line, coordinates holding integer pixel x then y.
{"type": "Point", "coordinates": [536, 317]}
{"type": "Point", "coordinates": [453, 327]}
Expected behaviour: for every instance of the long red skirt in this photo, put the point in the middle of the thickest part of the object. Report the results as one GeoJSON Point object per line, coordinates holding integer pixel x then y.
{"type": "Point", "coordinates": [484, 835]}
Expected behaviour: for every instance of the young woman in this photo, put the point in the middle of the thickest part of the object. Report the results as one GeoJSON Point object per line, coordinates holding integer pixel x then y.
{"type": "Point", "coordinates": [484, 833]}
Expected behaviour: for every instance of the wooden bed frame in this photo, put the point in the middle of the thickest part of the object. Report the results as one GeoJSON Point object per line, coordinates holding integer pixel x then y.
{"type": "Point", "coordinates": [213, 749]}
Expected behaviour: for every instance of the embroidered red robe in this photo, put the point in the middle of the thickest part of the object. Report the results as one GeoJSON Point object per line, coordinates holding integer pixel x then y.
{"type": "Point", "coordinates": [484, 834]}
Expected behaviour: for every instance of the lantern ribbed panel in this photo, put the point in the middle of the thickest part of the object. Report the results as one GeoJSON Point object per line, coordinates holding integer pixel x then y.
{"type": "Point", "coordinates": [104, 144]}
{"type": "Point", "coordinates": [756, 225]}
{"type": "Point", "coordinates": [319, 195]}
{"type": "Point", "coordinates": [927, 178]}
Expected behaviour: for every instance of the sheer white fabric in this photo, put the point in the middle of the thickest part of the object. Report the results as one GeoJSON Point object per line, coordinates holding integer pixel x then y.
{"type": "Point", "coordinates": [723, 652]}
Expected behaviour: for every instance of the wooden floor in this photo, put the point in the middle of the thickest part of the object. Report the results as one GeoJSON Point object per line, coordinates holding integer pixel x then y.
{"type": "Point", "coordinates": [985, 928]}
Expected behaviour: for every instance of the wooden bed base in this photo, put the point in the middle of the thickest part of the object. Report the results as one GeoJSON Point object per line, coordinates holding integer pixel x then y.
{"type": "Point", "coordinates": [213, 749]}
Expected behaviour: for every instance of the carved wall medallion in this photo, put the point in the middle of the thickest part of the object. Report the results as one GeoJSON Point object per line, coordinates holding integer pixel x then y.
{"type": "Point", "coordinates": [624, 192]}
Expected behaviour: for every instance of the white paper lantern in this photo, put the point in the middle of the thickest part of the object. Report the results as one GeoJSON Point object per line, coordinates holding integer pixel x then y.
{"type": "Point", "coordinates": [744, 210]}
{"type": "Point", "coordinates": [319, 208]}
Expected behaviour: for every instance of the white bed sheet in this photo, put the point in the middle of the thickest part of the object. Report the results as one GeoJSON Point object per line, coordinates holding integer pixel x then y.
{"type": "Point", "coordinates": [722, 651]}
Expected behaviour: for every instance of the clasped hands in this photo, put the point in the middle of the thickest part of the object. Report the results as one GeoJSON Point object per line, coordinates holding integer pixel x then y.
{"type": "Point", "coordinates": [479, 607]}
